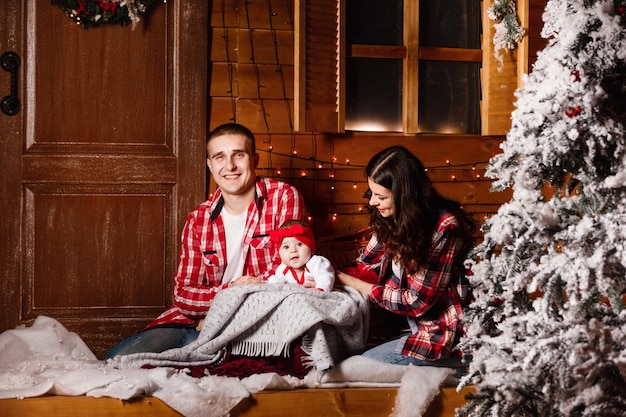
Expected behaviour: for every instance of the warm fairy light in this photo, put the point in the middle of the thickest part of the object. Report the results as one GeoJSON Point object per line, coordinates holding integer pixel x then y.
{"type": "Point", "coordinates": [354, 185]}
{"type": "Point", "coordinates": [320, 165]}
{"type": "Point", "coordinates": [278, 172]}
{"type": "Point", "coordinates": [303, 173]}
{"type": "Point", "coordinates": [348, 161]}
{"type": "Point", "coordinates": [334, 159]}
{"type": "Point", "coordinates": [332, 188]}
{"type": "Point", "coordinates": [270, 148]}
{"type": "Point", "coordinates": [334, 216]}
{"type": "Point", "coordinates": [478, 177]}
{"type": "Point", "coordinates": [448, 162]}
{"type": "Point", "coordinates": [454, 178]}
{"type": "Point", "coordinates": [473, 167]}
{"type": "Point", "coordinates": [360, 209]}
{"type": "Point", "coordinates": [309, 218]}
{"type": "Point", "coordinates": [331, 175]}
{"type": "Point", "coordinates": [295, 152]}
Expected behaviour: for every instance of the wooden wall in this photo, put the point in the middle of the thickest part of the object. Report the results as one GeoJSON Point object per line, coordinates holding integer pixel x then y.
{"type": "Point", "coordinates": [251, 82]}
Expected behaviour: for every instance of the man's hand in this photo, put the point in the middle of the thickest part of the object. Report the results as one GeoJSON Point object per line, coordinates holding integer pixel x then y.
{"type": "Point", "coordinates": [246, 279]}
{"type": "Point", "coordinates": [200, 325]}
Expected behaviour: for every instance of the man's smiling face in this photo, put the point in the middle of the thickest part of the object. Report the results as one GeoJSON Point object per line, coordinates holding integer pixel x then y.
{"type": "Point", "coordinates": [232, 163]}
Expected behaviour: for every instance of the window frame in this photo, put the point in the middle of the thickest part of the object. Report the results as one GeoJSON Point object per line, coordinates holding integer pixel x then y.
{"type": "Point", "coordinates": [499, 80]}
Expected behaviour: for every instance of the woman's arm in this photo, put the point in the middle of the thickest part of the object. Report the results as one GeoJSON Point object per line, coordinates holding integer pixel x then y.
{"type": "Point", "coordinates": [356, 283]}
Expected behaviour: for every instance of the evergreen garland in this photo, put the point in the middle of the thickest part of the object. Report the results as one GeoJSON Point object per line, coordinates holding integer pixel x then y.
{"type": "Point", "coordinates": [508, 32]}
{"type": "Point", "coordinates": [95, 13]}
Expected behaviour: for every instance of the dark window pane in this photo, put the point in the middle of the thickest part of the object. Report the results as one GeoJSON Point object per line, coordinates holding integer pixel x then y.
{"type": "Point", "coordinates": [450, 24]}
{"type": "Point", "coordinates": [449, 97]}
{"type": "Point", "coordinates": [374, 22]}
{"type": "Point", "coordinates": [374, 94]}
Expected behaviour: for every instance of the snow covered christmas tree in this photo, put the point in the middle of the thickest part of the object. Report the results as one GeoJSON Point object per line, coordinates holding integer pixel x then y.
{"type": "Point", "coordinates": [548, 327]}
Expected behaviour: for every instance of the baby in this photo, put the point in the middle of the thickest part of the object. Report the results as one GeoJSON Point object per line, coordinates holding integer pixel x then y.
{"type": "Point", "coordinates": [298, 259]}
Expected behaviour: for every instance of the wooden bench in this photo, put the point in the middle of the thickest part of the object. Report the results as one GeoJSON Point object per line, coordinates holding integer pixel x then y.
{"type": "Point", "coordinates": [353, 402]}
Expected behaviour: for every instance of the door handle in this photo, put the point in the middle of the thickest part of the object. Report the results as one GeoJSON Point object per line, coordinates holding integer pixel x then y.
{"type": "Point", "coordinates": [10, 62]}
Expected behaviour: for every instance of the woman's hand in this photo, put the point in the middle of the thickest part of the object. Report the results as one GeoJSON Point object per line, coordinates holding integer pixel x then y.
{"type": "Point", "coordinates": [358, 284]}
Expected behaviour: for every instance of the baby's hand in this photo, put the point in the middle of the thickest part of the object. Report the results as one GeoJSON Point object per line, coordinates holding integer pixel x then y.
{"type": "Point", "coordinates": [309, 282]}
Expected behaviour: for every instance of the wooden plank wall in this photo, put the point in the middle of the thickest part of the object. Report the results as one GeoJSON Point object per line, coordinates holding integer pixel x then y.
{"type": "Point", "coordinates": [251, 82]}
{"type": "Point", "coordinates": [535, 23]}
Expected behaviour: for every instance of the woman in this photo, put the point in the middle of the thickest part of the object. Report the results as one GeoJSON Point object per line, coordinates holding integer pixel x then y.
{"type": "Point", "coordinates": [419, 242]}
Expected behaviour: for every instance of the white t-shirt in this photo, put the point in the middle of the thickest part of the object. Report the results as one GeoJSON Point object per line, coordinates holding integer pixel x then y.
{"type": "Point", "coordinates": [234, 227]}
{"type": "Point", "coordinates": [398, 271]}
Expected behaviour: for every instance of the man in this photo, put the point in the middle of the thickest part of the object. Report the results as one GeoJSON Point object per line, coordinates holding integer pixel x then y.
{"type": "Point", "coordinates": [225, 241]}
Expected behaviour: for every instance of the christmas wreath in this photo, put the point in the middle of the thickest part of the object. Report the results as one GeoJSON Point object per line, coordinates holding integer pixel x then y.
{"type": "Point", "coordinates": [94, 13]}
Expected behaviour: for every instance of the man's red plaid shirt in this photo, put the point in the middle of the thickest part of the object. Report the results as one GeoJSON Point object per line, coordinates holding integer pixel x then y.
{"type": "Point", "coordinates": [203, 252]}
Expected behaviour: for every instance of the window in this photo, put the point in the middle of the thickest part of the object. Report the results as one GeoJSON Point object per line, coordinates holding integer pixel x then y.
{"type": "Point", "coordinates": [375, 54]}
{"type": "Point", "coordinates": [399, 66]}
{"type": "Point", "coordinates": [414, 67]}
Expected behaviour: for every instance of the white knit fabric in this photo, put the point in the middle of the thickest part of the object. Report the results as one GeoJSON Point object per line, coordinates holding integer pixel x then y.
{"type": "Point", "coordinates": [263, 320]}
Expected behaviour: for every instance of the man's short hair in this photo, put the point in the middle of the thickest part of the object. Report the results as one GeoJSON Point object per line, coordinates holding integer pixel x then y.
{"type": "Point", "coordinates": [232, 128]}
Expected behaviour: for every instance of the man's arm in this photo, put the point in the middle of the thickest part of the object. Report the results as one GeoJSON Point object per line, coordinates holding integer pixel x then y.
{"type": "Point", "coordinates": [194, 286]}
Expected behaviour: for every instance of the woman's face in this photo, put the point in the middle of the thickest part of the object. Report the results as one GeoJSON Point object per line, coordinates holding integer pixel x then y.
{"type": "Point", "coordinates": [381, 198]}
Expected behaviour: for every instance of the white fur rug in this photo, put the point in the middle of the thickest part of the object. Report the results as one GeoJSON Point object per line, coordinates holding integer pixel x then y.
{"type": "Point", "coordinates": [47, 359]}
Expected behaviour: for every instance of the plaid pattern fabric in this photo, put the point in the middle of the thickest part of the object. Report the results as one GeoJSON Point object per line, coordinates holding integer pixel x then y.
{"type": "Point", "coordinates": [430, 295]}
{"type": "Point", "coordinates": [203, 248]}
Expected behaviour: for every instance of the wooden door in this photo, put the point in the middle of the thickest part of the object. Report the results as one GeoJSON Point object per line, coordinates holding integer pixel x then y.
{"type": "Point", "coordinates": [100, 166]}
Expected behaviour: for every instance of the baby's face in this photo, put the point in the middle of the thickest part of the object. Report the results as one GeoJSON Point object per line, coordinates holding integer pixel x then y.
{"type": "Point", "coordinates": [294, 253]}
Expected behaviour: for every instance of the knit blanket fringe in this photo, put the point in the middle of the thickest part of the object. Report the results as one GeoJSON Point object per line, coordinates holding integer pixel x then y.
{"type": "Point", "coordinates": [252, 348]}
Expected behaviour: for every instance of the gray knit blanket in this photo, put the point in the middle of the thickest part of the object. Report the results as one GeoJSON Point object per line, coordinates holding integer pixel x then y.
{"type": "Point", "coordinates": [265, 319]}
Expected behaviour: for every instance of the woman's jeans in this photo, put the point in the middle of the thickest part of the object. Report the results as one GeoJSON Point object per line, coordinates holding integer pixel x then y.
{"type": "Point", "coordinates": [155, 339]}
{"type": "Point", "coordinates": [387, 353]}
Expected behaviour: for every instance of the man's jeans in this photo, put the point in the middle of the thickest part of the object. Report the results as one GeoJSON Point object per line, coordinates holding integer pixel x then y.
{"type": "Point", "coordinates": [156, 339]}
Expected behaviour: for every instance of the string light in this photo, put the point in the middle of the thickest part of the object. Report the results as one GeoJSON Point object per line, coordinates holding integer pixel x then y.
{"type": "Point", "coordinates": [321, 163]}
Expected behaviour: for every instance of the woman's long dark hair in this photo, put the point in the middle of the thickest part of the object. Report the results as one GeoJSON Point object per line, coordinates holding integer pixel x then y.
{"type": "Point", "coordinates": [408, 234]}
